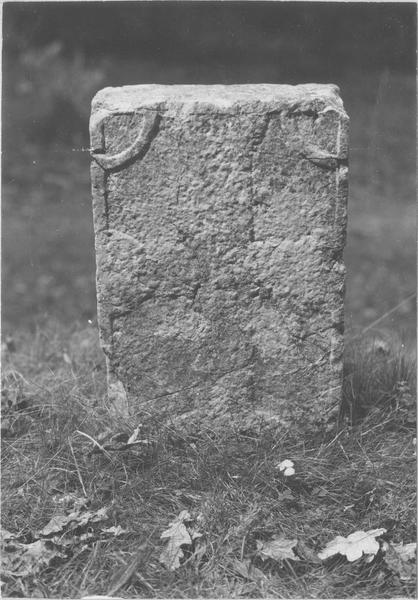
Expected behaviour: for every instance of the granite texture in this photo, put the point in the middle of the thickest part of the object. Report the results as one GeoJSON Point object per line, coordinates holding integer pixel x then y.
{"type": "Point", "coordinates": [220, 222]}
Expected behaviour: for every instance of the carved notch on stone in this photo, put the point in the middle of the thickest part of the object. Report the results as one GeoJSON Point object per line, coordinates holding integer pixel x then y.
{"type": "Point", "coordinates": [139, 146]}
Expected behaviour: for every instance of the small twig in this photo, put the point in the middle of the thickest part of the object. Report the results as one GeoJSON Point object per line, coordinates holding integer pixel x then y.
{"type": "Point", "coordinates": [322, 449]}
{"type": "Point", "coordinates": [95, 443]}
{"type": "Point", "coordinates": [381, 318]}
{"type": "Point", "coordinates": [375, 427]}
{"type": "Point", "coordinates": [343, 451]}
{"type": "Point", "coordinates": [76, 466]}
{"type": "Point", "coordinates": [242, 547]}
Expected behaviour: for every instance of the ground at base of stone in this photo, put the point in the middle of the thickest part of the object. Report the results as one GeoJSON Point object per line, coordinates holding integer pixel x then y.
{"type": "Point", "coordinates": [115, 487]}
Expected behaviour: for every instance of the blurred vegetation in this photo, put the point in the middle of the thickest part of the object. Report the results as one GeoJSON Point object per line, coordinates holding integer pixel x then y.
{"type": "Point", "coordinates": [56, 55]}
{"type": "Point", "coordinates": [318, 35]}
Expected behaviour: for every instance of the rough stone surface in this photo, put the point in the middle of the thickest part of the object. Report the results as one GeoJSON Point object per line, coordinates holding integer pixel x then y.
{"type": "Point", "coordinates": [220, 222]}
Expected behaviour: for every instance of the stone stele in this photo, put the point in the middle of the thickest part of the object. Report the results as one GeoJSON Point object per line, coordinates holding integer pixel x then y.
{"type": "Point", "coordinates": [220, 222]}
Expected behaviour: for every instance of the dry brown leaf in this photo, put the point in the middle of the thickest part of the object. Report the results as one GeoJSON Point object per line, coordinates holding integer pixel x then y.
{"type": "Point", "coordinates": [57, 524]}
{"type": "Point", "coordinates": [178, 536]}
{"type": "Point", "coordinates": [22, 560]}
{"type": "Point", "coordinates": [279, 548]}
{"type": "Point", "coordinates": [72, 521]}
{"type": "Point", "coordinates": [400, 558]}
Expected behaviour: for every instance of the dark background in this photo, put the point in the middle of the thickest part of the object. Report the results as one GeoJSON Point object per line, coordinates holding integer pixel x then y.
{"type": "Point", "coordinates": [57, 55]}
{"type": "Point", "coordinates": [324, 37]}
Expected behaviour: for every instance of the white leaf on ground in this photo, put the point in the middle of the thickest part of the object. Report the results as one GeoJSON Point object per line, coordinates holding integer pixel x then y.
{"type": "Point", "coordinates": [177, 535]}
{"type": "Point", "coordinates": [287, 467]}
{"type": "Point", "coordinates": [134, 436]}
{"type": "Point", "coordinates": [285, 464]}
{"type": "Point", "coordinates": [279, 548]}
{"type": "Point", "coordinates": [400, 558]}
{"type": "Point", "coordinates": [194, 534]}
{"type": "Point", "coordinates": [406, 551]}
{"type": "Point", "coordinates": [354, 545]}
{"type": "Point", "coordinates": [289, 471]}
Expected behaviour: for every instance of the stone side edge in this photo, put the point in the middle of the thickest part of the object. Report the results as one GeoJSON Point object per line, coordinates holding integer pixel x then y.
{"type": "Point", "coordinates": [340, 228]}
{"type": "Point", "coordinates": [117, 397]}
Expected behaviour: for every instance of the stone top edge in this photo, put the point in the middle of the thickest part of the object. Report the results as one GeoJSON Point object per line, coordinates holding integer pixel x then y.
{"type": "Point", "coordinates": [159, 97]}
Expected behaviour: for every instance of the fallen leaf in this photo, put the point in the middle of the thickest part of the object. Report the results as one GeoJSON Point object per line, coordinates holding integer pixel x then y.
{"type": "Point", "coordinates": [287, 467]}
{"type": "Point", "coordinates": [285, 495]}
{"type": "Point", "coordinates": [354, 545]}
{"type": "Point", "coordinates": [177, 535]}
{"type": "Point", "coordinates": [400, 558]}
{"type": "Point", "coordinates": [6, 535]}
{"type": "Point", "coordinates": [28, 559]}
{"type": "Point", "coordinates": [133, 438]}
{"type": "Point", "coordinates": [90, 516]}
{"type": "Point", "coordinates": [307, 553]}
{"type": "Point", "coordinates": [74, 520]}
{"type": "Point", "coordinates": [57, 524]}
{"type": "Point", "coordinates": [279, 548]}
{"type": "Point", "coordinates": [406, 551]}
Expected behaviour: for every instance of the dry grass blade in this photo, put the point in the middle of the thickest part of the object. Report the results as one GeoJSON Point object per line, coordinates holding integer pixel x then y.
{"type": "Point", "coordinates": [125, 574]}
{"type": "Point", "coordinates": [95, 442]}
{"type": "Point", "coordinates": [77, 468]}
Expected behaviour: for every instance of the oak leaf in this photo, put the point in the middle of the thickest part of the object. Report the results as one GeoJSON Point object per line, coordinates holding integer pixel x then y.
{"type": "Point", "coordinates": [178, 536]}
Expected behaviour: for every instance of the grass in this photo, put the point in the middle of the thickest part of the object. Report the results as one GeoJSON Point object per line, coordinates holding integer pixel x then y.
{"type": "Point", "coordinates": [358, 476]}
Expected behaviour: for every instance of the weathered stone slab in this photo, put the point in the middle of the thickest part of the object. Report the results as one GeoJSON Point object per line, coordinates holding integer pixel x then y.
{"type": "Point", "coordinates": [220, 221]}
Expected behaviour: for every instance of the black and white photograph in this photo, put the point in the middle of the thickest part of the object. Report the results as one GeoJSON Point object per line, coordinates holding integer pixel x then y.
{"type": "Point", "coordinates": [209, 293]}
